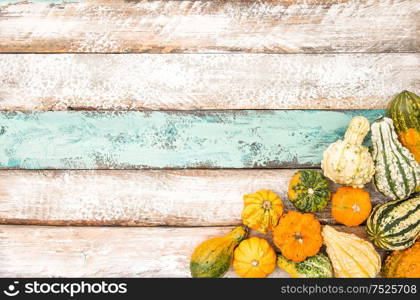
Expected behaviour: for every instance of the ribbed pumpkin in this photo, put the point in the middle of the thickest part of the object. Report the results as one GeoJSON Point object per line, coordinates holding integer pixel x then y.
{"type": "Point", "coordinates": [254, 258]}
{"type": "Point", "coordinates": [397, 172]}
{"type": "Point", "coordinates": [351, 206]}
{"type": "Point", "coordinates": [347, 161]}
{"type": "Point", "coordinates": [318, 266]}
{"type": "Point", "coordinates": [404, 110]}
{"type": "Point", "coordinates": [262, 210]}
{"type": "Point", "coordinates": [298, 236]}
{"type": "Point", "coordinates": [213, 257]}
{"type": "Point", "coordinates": [350, 255]}
{"type": "Point", "coordinates": [395, 225]}
{"type": "Point", "coordinates": [308, 191]}
{"type": "Point", "coordinates": [403, 263]}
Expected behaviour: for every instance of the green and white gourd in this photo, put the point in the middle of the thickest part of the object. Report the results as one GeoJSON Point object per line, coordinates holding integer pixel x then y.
{"type": "Point", "coordinates": [347, 161]}
{"type": "Point", "coordinates": [318, 266]}
{"type": "Point", "coordinates": [397, 172]}
{"type": "Point", "coordinates": [395, 225]}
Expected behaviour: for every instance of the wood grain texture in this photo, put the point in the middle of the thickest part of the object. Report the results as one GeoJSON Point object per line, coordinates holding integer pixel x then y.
{"type": "Point", "coordinates": [204, 81]}
{"type": "Point", "coordinates": [140, 198]}
{"type": "Point", "coordinates": [283, 26]}
{"type": "Point", "coordinates": [30, 251]}
{"type": "Point", "coordinates": [177, 139]}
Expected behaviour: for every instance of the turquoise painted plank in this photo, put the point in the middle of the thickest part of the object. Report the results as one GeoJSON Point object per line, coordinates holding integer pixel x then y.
{"type": "Point", "coordinates": [162, 139]}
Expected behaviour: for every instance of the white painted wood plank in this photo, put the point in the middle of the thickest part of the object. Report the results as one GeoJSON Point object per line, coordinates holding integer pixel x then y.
{"type": "Point", "coordinates": [31, 251]}
{"type": "Point", "coordinates": [139, 198]}
{"type": "Point", "coordinates": [282, 26]}
{"type": "Point", "coordinates": [204, 81]}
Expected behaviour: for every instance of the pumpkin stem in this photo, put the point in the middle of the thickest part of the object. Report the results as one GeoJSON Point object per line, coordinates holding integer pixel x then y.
{"type": "Point", "coordinates": [298, 237]}
{"type": "Point", "coordinates": [356, 208]}
{"type": "Point", "coordinates": [266, 204]}
{"type": "Point", "coordinates": [310, 191]}
{"type": "Point", "coordinates": [255, 263]}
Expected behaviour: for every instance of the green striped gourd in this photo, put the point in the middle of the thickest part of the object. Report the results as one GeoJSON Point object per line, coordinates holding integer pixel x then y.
{"type": "Point", "coordinates": [395, 225]}
{"type": "Point", "coordinates": [347, 161]}
{"type": "Point", "coordinates": [397, 172]}
{"type": "Point", "coordinates": [404, 110]}
{"type": "Point", "coordinates": [318, 266]}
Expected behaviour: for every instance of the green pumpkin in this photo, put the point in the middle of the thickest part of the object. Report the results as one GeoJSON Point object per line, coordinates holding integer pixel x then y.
{"type": "Point", "coordinates": [395, 225]}
{"type": "Point", "coordinates": [309, 191]}
{"type": "Point", "coordinates": [212, 258]}
{"type": "Point", "coordinates": [397, 173]}
{"type": "Point", "coordinates": [404, 110]}
{"type": "Point", "coordinates": [318, 266]}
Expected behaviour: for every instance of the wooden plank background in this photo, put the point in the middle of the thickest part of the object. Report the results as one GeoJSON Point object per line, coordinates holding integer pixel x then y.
{"type": "Point", "coordinates": [176, 139]}
{"type": "Point", "coordinates": [204, 81]}
{"type": "Point", "coordinates": [174, 85]}
{"type": "Point", "coordinates": [140, 198]}
{"type": "Point", "coordinates": [116, 252]}
{"type": "Point", "coordinates": [283, 26]}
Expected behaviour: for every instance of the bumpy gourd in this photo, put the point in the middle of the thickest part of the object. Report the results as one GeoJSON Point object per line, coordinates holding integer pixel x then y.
{"type": "Point", "coordinates": [347, 161]}
{"type": "Point", "coordinates": [298, 236]}
{"type": "Point", "coordinates": [403, 263]}
{"type": "Point", "coordinates": [254, 258]}
{"type": "Point", "coordinates": [397, 172]}
{"type": "Point", "coordinates": [309, 191]}
{"type": "Point", "coordinates": [262, 210]}
{"type": "Point", "coordinates": [404, 110]}
{"type": "Point", "coordinates": [318, 266]}
{"type": "Point", "coordinates": [213, 257]}
{"type": "Point", "coordinates": [395, 225]}
{"type": "Point", "coordinates": [350, 255]}
{"type": "Point", "coordinates": [350, 206]}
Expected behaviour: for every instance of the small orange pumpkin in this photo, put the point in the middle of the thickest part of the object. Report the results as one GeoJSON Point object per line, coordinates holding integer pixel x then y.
{"type": "Point", "coordinates": [254, 258]}
{"type": "Point", "coordinates": [351, 206]}
{"type": "Point", "coordinates": [262, 210]}
{"type": "Point", "coordinates": [298, 236]}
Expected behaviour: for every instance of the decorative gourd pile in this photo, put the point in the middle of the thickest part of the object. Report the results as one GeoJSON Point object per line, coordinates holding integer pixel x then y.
{"type": "Point", "coordinates": [298, 235]}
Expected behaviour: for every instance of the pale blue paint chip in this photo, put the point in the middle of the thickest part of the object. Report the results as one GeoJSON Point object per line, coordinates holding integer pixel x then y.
{"type": "Point", "coordinates": [200, 139]}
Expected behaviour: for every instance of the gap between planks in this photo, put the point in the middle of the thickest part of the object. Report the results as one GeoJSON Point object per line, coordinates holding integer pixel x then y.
{"type": "Point", "coordinates": [140, 198]}
{"type": "Point", "coordinates": [33, 251]}
{"type": "Point", "coordinates": [204, 81]}
{"type": "Point", "coordinates": [210, 26]}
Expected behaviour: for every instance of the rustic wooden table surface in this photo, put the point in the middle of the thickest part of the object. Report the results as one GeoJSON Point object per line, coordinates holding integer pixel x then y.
{"type": "Point", "coordinates": [130, 130]}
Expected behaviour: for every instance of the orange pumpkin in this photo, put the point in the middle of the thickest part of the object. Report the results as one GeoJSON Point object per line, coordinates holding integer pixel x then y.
{"type": "Point", "coordinates": [403, 263]}
{"type": "Point", "coordinates": [298, 236]}
{"type": "Point", "coordinates": [254, 258]}
{"type": "Point", "coordinates": [262, 210]}
{"type": "Point", "coordinates": [351, 206]}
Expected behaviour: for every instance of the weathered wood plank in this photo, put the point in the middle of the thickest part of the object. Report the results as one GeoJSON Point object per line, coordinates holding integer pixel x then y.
{"type": "Point", "coordinates": [139, 198]}
{"type": "Point", "coordinates": [192, 139]}
{"type": "Point", "coordinates": [30, 251]}
{"type": "Point", "coordinates": [282, 26]}
{"type": "Point", "coordinates": [204, 81]}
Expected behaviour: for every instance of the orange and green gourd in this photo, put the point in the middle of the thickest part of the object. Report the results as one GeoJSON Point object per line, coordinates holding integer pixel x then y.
{"type": "Point", "coordinates": [404, 110]}
{"type": "Point", "coordinates": [403, 263]}
{"type": "Point", "coordinates": [212, 258]}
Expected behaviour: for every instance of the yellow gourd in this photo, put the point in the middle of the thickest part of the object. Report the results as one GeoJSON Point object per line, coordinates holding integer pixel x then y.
{"type": "Point", "coordinates": [262, 210]}
{"type": "Point", "coordinates": [254, 258]}
{"type": "Point", "coordinates": [350, 255]}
